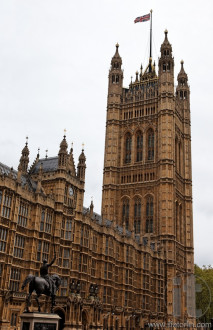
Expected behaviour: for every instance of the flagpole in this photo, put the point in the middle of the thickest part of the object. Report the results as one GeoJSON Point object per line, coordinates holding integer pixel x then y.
{"type": "Point", "coordinates": [150, 55]}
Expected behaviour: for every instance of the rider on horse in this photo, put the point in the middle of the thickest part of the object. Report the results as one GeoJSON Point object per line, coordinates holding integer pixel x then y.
{"type": "Point", "coordinates": [46, 276]}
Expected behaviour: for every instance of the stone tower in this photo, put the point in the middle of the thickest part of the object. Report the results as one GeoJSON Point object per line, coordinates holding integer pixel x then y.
{"type": "Point", "coordinates": [147, 181]}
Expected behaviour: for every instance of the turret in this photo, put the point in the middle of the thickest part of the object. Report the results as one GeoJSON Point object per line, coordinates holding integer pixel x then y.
{"type": "Point", "coordinates": [81, 166]}
{"type": "Point", "coordinates": [116, 74]}
{"type": "Point", "coordinates": [182, 91]}
{"type": "Point", "coordinates": [166, 66]}
{"type": "Point", "coordinates": [63, 154]}
{"type": "Point", "coordinates": [24, 160]}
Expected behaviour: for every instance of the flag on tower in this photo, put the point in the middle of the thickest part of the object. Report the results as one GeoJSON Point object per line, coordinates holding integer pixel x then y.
{"type": "Point", "coordinates": [142, 18]}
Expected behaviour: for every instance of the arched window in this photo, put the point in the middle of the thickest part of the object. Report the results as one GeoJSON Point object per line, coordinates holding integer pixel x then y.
{"type": "Point", "coordinates": [137, 216]}
{"type": "Point", "coordinates": [150, 141]}
{"type": "Point", "coordinates": [139, 146]}
{"type": "Point", "coordinates": [117, 78]}
{"type": "Point", "coordinates": [128, 147]}
{"type": "Point", "coordinates": [164, 67]}
{"type": "Point", "coordinates": [113, 78]}
{"type": "Point", "coordinates": [149, 215]}
{"type": "Point", "coordinates": [125, 213]}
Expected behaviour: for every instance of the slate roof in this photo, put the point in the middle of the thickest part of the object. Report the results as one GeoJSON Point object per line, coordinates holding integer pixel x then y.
{"type": "Point", "coordinates": [25, 179]}
{"type": "Point", "coordinates": [49, 164]}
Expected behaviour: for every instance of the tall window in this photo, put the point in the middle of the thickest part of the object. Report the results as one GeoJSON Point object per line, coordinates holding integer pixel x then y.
{"type": "Point", "coordinates": [23, 214]}
{"type": "Point", "coordinates": [85, 236]}
{"type": "Point", "coordinates": [139, 146]}
{"type": "Point", "coordinates": [137, 216]}
{"type": "Point", "coordinates": [93, 267]}
{"type": "Point", "coordinates": [1, 272]}
{"type": "Point", "coordinates": [42, 220]}
{"type": "Point", "coordinates": [6, 209]}
{"type": "Point", "coordinates": [0, 198]}
{"type": "Point", "coordinates": [43, 250]}
{"type": "Point", "coordinates": [125, 213]}
{"type": "Point", "coordinates": [108, 271]}
{"type": "Point", "coordinates": [3, 239]}
{"type": "Point", "coordinates": [48, 224]}
{"type": "Point", "coordinates": [19, 246]}
{"type": "Point", "coordinates": [66, 229]}
{"type": "Point", "coordinates": [46, 221]}
{"type": "Point", "coordinates": [94, 243]}
{"type": "Point", "coordinates": [15, 275]}
{"type": "Point", "coordinates": [150, 141]}
{"type": "Point", "coordinates": [64, 257]}
{"type": "Point", "coordinates": [149, 215]}
{"type": "Point", "coordinates": [64, 285]}
{"type": "Point", "coordinates": [13, 320]}
{"type": "Point", "coordinates": [128, 147]}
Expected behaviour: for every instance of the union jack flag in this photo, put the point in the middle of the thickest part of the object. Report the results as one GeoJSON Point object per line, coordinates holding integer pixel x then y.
{"type": "Point", "coordinates": [142, 18]}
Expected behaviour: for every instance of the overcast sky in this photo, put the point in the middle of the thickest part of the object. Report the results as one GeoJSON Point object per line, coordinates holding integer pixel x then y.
{"type": "Point", "coordinates": [54, 61]}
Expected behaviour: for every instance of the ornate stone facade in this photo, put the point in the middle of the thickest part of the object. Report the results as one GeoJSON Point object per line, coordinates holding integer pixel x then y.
{"type": "Point", "coordinates": [139, 252]}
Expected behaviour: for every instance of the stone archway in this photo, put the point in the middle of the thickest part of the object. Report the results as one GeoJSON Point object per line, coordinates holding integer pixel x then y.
{"type": "Point", "coordinates": [60, 313]}
{"type": "Point", "coordinates": [84, 321]}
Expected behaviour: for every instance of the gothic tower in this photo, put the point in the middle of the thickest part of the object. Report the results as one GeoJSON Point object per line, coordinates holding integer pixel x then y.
{"type": "Point", "coordinates": [147, 183]}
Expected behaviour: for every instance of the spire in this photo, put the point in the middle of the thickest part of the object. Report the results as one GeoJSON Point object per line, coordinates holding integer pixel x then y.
{"type": "Point", "coordinates": [63, 155]}
{"type": "Point", "coordinates": [91, 208]}
{"type": "Point", "coordinates": [116, 59]}
{"type": "Point", "coordinates": [82, 165]}
{"type": "Point", "coordinates": [166, 47]}
{"type": "Point", "coordinates": [182, 76]}
{"type": "Point", "coordinates": [24, 160]}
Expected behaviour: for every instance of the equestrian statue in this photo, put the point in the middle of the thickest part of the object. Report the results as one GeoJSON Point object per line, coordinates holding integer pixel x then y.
{"type": "Point", "coordinates": [45, 284]}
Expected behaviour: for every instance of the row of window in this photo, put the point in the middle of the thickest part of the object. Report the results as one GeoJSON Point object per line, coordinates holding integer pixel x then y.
{"type": "Point", "coordinates": [140, 95]}
{"type": "Point", "coordinates": [139, 146]}
{"type": "Point", "coordinates": [149, 176]}
{"type": "Point", "coordinates": [139, 113]}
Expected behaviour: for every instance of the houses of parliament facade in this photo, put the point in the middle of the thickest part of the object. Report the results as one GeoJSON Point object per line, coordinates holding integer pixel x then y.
{"type": "Point", "coordinates": [135, 260]}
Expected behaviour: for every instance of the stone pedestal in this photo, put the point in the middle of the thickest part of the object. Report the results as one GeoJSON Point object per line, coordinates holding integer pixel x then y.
{"type": "Point", "coordinates": [39, 321]}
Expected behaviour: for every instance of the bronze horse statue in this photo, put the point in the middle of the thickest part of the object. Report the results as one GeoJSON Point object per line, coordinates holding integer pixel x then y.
{"type": "Point", "coordinates": [45, 284]}
{"type": "Point", "coordinates": [41, 286]}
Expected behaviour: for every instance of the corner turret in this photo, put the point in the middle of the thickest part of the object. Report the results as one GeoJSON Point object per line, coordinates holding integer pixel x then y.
{"type": "Point", "coordinates": [166, 66]}
{"type": "Point", "coordinates": [82, 166]}
{"type": "Point", "coordinates": [63, 154]}
{"type": "Point", "coordinates": [24, 160]}
{"type": "Point", "coordinates": [182, 91]}
{"type": "Point", "coordinates": [116, 74]}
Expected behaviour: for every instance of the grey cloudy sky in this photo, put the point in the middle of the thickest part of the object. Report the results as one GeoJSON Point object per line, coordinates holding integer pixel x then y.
{"type": "Point", "coordinates": [54, 62]}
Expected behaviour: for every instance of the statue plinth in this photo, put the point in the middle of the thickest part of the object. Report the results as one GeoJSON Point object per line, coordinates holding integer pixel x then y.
{"type": "Point", "coordinates": [39, 321]}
